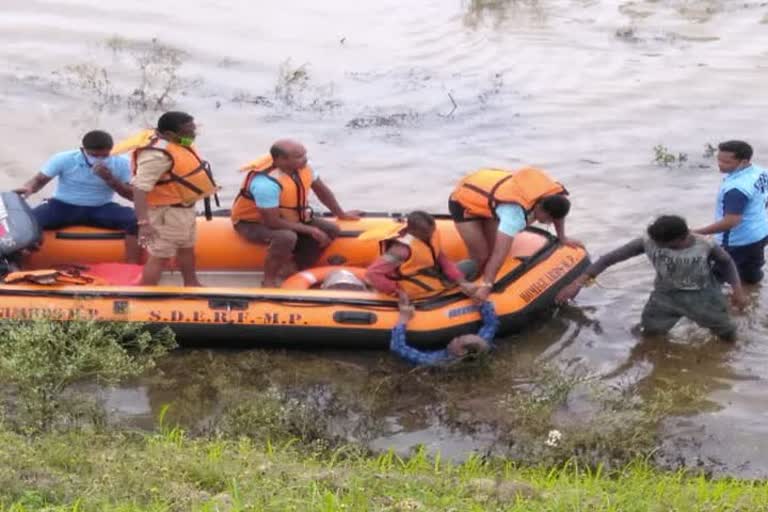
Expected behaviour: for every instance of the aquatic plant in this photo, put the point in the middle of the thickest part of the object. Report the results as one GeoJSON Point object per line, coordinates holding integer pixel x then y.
{"type": "Point", "coordinates": [153, 78]}
{"type": "Point", "coordinates": [41, 358]}
{"type": "Point", "coordinates": [664, 157]}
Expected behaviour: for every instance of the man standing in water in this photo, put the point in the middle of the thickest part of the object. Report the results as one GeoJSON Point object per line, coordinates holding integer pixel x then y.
{"type": "Point", "coordinates": [685, 282]}
{"type": "Point", "coordinates": [741, 225]}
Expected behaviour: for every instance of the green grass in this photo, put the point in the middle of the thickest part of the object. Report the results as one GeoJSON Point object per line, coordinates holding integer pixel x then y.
{"type": "Point", "coordinates": [168, 471]}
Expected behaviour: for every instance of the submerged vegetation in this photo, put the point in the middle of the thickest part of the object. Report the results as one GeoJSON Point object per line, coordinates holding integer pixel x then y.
{"type": "Point", "coordinates": [269, 448]}
{"type": "Point", "coordinates": [151, 81]}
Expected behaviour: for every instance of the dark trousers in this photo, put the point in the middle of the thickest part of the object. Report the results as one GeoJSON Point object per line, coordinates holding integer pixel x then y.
{"type": "Point", "coordinates": [749, 260]}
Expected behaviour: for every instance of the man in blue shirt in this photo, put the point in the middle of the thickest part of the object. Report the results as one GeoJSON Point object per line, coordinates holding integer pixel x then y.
{"type": "Point", "coordinates": [87, 181]}
{"type": "Point", "coordinates": [459, 347]}
{"type": "Point", "coordinates": [741, 225]}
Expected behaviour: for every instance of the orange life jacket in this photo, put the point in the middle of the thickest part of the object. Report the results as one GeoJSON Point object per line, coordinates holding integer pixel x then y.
{"type": "Point", "coordinates": [420, 274]}
{"type": "Point", "coordinates": [482, 191]}
{"type": "Point", "coordinates": [294, 192]}
{"type": "Point", "coordinates": [188, 180]}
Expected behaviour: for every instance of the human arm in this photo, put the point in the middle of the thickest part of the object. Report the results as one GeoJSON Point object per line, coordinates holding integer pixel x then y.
{"type": "Point", "coordinates": [398, 343]}
{"type": "Point", "coordinates": [625, 252]}
{"type": "Point", "coordinates": [37, 182]}
{"type": "Point", "coordinates": [724, 261]}
{"type": "Point", "coordinates": [150, 167]}
{"type": "Point", "coordinates": [377, 274]}
{"type": "Point", "coordinates": [511, 221]}
{"type": "Point", "coordinates": [455, 275]}
{"type": "Point", "coordinates": [560, 230]}
{"type": "Point", "coordinates": [490, 322]}
{"type": "Point", "coordinates": [326, 196]}
{"type": "Point", "coordinates": [122, 187]}
{"type": "Point", "coordinates": [734, 203]}
{"type": "Point", "coordinates": [271, 218]}
{"type": "Point", "coordinates": [266, 196]}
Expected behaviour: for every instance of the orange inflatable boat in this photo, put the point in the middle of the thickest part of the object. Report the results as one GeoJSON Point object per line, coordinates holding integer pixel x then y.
{"type": "Point", "coordinates": [233, 310]}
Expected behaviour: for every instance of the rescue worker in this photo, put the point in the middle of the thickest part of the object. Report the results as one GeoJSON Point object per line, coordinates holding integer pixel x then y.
{"type": "Point", "coordinates": [88, 179]}
{"type": "Point", "coordinates": [741, 226]}
{"type": "Point", "coordinates": [412, 261]}
{"type": "Point", "coordinates": [170, 177]}
{"type": "Point", "coordinates": [490, 206]}
{"type": "Point", "coordinates": [272, 208]}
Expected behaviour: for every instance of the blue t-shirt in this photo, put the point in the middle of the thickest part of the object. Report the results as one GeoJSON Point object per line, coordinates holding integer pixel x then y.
{"type": "Point", "coordinates": [78, 184]}
{"type": "Point", "coordinates": [266, 193]}
{"type": "Point", "coordinates": [743, 193]}
{"type": "Point", "coordinates": [511, 218]}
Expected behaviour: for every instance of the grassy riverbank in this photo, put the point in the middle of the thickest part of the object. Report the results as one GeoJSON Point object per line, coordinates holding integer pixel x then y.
{"type": "Point", "coordinates": [167, 471]}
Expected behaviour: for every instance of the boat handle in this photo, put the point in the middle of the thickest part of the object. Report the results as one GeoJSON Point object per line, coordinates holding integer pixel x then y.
{"type": "Point", "coordinates": [354, 317]}
{"type": "Point", "coordinates": [228, 304]}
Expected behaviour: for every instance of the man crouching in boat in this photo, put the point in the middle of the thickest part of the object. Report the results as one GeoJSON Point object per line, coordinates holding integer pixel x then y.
{"type": "Point", "coordinates": [412, 261]}
{"type": "Point", "coordinates": [490, 206]}
{"type": "Point", "coordinates": [170, 178]}
{"type": "Point", "coordinates": [458, 348]}
{"type": "Point", "coordinates": [685, 286]}
{"type": "Point", "coordinates": [272, 208]}
{"type": "Point", "coordinates": [87, 181]}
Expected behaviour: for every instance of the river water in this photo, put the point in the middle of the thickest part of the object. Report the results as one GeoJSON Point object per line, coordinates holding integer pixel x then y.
{"type": "Point", "coordinates": [395, 100]}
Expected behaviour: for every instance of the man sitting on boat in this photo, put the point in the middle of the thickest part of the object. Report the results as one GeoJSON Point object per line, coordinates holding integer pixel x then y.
{"type": "Point", "coordinates": [412, 261]}
{"type": "Point", "coordinates": [490, 206]}
{"type": "Point", "coordinates": [272, 208]}
{"type": "Point", "coordinates": [87, 181]}
{"type": "Point", "coordinates": [458, 348]}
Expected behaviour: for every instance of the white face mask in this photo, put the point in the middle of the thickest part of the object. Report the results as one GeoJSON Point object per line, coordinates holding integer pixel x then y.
{"type": "Point", "coordinates": [94, 160]}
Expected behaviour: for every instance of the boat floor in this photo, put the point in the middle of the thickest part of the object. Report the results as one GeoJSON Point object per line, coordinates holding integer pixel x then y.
{"type": "Point", "coordinates": [241, 279]}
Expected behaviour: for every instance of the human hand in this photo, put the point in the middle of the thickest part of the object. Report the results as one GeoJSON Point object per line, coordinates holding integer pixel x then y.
{"type": "Point", "coordinates": [569, 292]}
{"type": "Point", "coordinates": [350, 215]}
{"type": "Point", "coordinates": [572, 242]}
{"type": "Point", "coordinates": [23, 191]}
{"type": "Point", "coordinates": [739, 299]}
{"type": "Point", "coordinates": [320, 236]}
{"type": "Point", "coordinates": [467, 288]}
{"type": "Point", "coordinates": [482, 293]}
{"type": "Point", "coordinates": [102, 171]}
{"type": "Point", "coordinates": [404, 305]}
{"type": "Point", "coordinates": [146, 234]}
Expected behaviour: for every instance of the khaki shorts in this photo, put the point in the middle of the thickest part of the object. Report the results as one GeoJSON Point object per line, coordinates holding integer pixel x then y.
{"type": "Point", "coordinates": [175, 229]}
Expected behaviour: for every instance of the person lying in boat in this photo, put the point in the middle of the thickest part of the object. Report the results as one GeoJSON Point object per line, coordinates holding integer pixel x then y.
{"type": "Point", "coordinates": [170, 178]}
{"type": "Point", "coordinates": [87, 181]}
{"type": "Point", "coordinates": [272, 208]}
{"type": "Point", "coordinates": [685, 286]}
{"type": "Point", "coordinates": [458, 348]}
{"type": "Point", "coordinates": [412, 261]}
{"type": "Point", "coordinates": [490, 206]}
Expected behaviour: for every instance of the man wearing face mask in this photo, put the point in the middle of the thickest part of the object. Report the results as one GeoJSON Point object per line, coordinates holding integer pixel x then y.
{"type": "Point", "coordinates": [87, 181]}
{"type": "Point", "coordinates": [170, 178]}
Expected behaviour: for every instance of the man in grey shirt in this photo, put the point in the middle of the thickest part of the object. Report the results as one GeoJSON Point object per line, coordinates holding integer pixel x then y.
{"type": "Point", "coordinates": [685, 284]}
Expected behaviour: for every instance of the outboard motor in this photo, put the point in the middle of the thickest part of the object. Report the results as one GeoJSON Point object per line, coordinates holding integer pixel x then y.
{"type": "Point", "coordinates": [18, 230]}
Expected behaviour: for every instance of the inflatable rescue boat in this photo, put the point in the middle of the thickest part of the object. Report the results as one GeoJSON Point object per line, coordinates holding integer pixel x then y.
{"type": "Point", "coordinates": [76, 273]}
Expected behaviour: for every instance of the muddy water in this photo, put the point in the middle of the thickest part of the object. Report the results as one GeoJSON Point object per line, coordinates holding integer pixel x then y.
{"type": "Point", "coordinates": [395, 100]}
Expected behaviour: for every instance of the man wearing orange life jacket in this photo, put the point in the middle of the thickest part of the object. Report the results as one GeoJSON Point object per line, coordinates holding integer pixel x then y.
{"type": "Point", "coordinates": [412, 263]}
{"type": "Point", "coordinates": [169, 178]}
{"type": "Point", "coordinates": [272, 208]}
{"type": "Point", "coordinates": [490, 206]}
